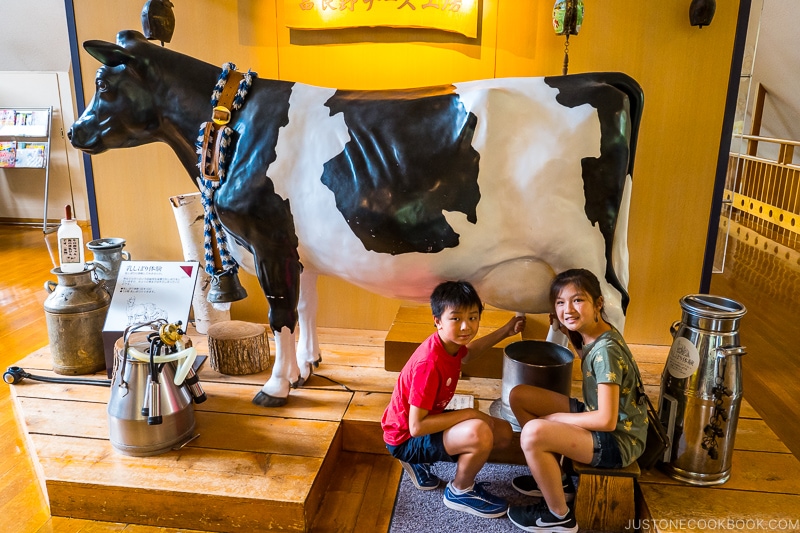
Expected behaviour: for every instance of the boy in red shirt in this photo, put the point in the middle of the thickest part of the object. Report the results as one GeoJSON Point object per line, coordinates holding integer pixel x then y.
{"type": "Point", "coordinates": [416, 428]}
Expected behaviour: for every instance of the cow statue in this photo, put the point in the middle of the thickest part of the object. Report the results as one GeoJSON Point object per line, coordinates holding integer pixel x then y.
{"type": "Point", "coordinates": [500, 182]}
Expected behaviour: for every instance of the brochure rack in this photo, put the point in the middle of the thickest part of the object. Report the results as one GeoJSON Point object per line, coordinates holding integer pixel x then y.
{"type": "Point", "coordinates": [25, 143]}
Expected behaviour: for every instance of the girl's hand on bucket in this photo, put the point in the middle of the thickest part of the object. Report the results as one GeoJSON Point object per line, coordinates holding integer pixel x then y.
{"type": "Point", "coordinates": [558, 325]}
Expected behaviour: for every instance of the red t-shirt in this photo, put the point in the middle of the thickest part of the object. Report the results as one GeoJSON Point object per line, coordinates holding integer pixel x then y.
{"type": "Point", "coordinates": [428, 381]}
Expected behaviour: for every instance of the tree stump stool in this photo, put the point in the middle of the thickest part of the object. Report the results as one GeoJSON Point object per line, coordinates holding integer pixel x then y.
{"type": "Point", "coordinates": [237, 348]}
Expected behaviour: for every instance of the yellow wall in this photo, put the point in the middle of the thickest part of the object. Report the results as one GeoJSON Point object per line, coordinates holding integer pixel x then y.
{"type": "Point", "coordinates": [683, 70]}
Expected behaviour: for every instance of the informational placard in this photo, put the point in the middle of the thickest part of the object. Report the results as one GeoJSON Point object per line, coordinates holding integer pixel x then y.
{"type": "Point", "coordinates": [148, 291]}
{"type": "Point", "coordinates": [460, 16]}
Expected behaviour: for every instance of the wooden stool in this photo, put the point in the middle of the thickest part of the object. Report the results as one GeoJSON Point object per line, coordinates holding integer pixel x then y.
{"type": "Point", "coordinates": [604, 501]}
{"type": "Point", "coordinates": [238, 348]}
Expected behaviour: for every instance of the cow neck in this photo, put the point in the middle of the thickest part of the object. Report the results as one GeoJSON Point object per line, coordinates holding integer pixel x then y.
{"type": "Point", "coordinates": [214, 146]}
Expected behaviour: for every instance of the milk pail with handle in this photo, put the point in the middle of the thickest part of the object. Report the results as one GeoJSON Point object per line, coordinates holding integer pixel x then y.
{"type": "Point", "coordinates": [701, 390]}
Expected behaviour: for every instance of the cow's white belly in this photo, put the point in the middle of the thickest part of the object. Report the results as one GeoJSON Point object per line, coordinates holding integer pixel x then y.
{"type": "Point", "coordinates": [531, 222]}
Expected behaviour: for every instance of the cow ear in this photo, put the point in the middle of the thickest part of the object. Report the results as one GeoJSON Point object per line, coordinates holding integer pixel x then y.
{"type": "Point", "coordinates": [107, 53]}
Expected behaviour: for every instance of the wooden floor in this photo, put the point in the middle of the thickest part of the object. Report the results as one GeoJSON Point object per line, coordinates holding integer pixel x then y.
{"type": "Point", "coordinates": [351, 503]}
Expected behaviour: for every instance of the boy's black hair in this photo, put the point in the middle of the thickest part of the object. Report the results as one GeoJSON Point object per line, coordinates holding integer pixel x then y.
{"type": "Point", "coordinates": [456, 295]}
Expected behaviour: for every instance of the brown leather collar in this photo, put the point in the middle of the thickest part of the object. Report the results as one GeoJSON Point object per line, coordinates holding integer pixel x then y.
{"type": "Point", "coordinates": [220, 117]}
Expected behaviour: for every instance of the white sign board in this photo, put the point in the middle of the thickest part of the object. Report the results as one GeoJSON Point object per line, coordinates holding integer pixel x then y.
{"type": "Point", "coordinates": [146, 291]}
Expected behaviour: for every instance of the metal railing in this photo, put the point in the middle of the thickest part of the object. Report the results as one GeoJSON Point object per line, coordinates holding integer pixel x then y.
{"type": "Point", "coordinates": [764, 194]}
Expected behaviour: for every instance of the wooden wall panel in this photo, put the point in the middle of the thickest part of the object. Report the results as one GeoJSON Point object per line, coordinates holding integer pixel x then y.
{"type": "Point", "coordinates": [684, 73]}
{"type": "Point", "coordinates": [682, 69]}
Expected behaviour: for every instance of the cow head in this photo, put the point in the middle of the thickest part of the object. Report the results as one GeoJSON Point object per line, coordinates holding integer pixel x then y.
{"type": "Point", "coordinates": [122, 112]}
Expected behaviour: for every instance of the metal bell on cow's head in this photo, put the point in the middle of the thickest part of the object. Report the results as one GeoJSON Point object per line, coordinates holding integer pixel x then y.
{"type": "Point", "coordinates": [158, 20]}
{"type": "Point", "coordinates": [225, 288]}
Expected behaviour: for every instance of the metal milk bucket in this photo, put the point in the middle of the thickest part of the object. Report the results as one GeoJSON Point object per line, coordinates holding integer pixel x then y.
{"type": "Point", "coordinates": [531, 362]}
{"type": "Point", "coordinates": [129, 430]}
{"type": "Point", "coordinates": [75, 311]}
{"type": "Point", "coordinates": [108, 255]}
{"type": "Point", "coordinates": [701, 390]}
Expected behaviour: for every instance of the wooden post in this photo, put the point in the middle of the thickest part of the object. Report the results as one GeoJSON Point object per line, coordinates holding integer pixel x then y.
{"type": "Point", "coordinates": [188, 211]}
{"type": "Point", "coordinates": [237, 348]}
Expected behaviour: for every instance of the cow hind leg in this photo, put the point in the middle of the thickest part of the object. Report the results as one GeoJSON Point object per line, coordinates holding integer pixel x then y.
{"type": "Point", "coordinates": [309, 355]}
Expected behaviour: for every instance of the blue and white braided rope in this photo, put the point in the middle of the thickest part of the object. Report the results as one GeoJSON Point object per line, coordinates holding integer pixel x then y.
{"type": "Point", "coordinates": [209, 187]}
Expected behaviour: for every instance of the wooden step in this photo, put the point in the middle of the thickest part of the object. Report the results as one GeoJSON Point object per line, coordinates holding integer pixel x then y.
{"type": "Point", "coordinates": [414, 323]}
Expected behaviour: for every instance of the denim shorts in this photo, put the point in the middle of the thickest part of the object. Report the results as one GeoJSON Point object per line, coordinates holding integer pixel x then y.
{"type": "Point", "coordinates": [424, 449]}
{"type": "Point", "coordinates": [606, 450]}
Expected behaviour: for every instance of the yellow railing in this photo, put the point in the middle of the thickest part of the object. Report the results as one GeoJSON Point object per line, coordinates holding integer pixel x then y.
{"type": "Point", "coordinates": [765, 192]}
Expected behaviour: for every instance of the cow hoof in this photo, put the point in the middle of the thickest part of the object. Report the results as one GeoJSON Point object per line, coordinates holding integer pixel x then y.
{"type": "Point", "coordinates": [265, 400]}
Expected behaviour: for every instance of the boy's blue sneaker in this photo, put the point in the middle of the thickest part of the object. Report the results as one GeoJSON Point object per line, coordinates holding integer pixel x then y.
{"type": "Point", "coordinates": [527, 485]}
{"type": "Point", "coordinates": [421, 475]}
{"type": "Point", "coordinates": [539, 518]}
{"type": "Point", "coordinates": [478, 501]}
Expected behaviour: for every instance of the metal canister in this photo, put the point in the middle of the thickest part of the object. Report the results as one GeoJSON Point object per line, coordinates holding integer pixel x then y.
{"type": "Point", "coordinates": [130, 431]}
{"type": "Point", "coordinates": [532, 362]}
{"type": "Point", "coordinates": [701, 390]}
{"type": "Point", "coordinates": [75, 311]}
{"type": "Point", "coordinates": [108, 254]}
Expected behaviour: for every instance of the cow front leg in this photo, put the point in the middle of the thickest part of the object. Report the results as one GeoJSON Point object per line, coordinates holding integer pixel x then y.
{"type": "Point", "coordinates": [280, 280]}
{"type": "Point", "coordinates": [309, 355]}
{"type": "Point", "coordinates": [275, 392]}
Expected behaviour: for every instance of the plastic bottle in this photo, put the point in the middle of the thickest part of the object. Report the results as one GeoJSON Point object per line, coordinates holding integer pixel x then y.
{"type": "Point", "coordinates": [70, 244]}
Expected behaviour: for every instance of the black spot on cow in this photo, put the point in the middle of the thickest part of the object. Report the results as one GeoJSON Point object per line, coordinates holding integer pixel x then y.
{"type": "Point", "coordinates": [409, 159]}
{"type": "Point", "coordinates": [619, 101]}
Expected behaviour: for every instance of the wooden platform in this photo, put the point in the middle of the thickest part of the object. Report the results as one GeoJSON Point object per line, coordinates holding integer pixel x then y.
{"type": "Point", "coordinates": [251, 468]}
{"type": "Point", "coordinates": [257, 469]}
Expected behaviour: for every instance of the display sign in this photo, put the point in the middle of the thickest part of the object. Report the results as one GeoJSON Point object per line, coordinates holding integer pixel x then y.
{"type": "Point", "coordinates": [148, 291]}
{"type": "Point", "coordinates": [460, 16]}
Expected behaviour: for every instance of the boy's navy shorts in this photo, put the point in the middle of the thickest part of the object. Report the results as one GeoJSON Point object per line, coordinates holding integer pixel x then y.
{"type": "Point", "coordinates": [424, 449]}
{"type": "Point", "coordinates": [606, 450]}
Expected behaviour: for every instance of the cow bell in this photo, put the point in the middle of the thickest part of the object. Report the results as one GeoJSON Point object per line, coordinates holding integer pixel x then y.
{"type": "Point", "coordinates": [567, 17]}
{"type": "Point", "coordinates": [701, 12]}
{"type": "Point", "coordinates": [225, 287]}
{"type": "Point", "coordinates": [158, 20]}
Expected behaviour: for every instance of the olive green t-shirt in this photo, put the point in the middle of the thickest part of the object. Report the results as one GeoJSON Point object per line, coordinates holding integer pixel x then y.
{"type": "Point", "coordinates": [608, 360]}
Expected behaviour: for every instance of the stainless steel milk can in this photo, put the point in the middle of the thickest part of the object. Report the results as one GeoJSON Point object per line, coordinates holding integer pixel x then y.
{"type": "Point", "coordinates": [75, 311]}
{"type": "Point", "coordinates": [701, 390]}
{"type": "Point", "coordinates": [134, 401]}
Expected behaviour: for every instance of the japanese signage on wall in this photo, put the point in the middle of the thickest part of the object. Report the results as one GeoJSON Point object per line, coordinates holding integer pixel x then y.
{"type": "Point", "coordinates": [460, 16]}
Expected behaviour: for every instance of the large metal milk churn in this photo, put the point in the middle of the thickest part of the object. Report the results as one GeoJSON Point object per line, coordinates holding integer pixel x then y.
{"type": "Point", "coordinates": [701, 390]}
{"type": "Point", "coordinates": [75, 311]}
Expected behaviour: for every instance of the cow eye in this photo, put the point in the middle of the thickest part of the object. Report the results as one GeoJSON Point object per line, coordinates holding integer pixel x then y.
{"type": "Point", "coordinates": [102, 86]}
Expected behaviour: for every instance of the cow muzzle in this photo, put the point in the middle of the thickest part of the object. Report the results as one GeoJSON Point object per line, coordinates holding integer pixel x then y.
{"type": "Point", "coordinates": [91, 144]}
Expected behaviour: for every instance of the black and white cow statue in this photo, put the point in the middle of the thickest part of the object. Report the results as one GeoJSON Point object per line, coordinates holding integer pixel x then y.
{"type": "Point", "coordinates": [500, 182]}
